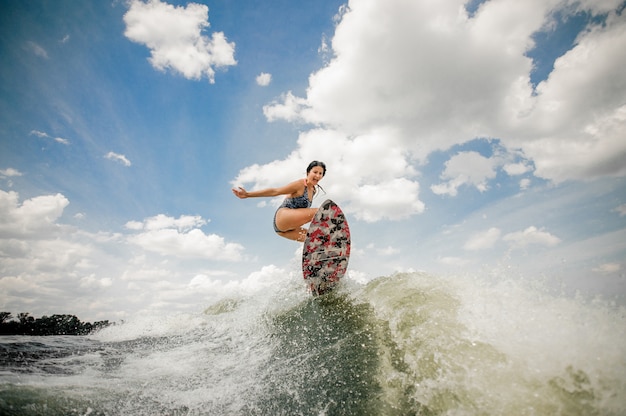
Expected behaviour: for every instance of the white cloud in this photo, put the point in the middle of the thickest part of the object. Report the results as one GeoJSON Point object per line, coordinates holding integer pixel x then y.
{"type": "Point", "coordinates": [514, 169]}
{"type": "Point", "coordinates": [144, 269]}
{"type": "Point", "coordinates": [441, 92]}
{"type": "Point", "coordinates": [42, 261]}
{"type": "Point", "coordinates": [10, 172]}
{"type": "Point", "coordinates": [394, 199]}
{"type": "Point", "coordinates": [369, 172]}
{"type": "Point", "coordinates": [531, 236]}
{"type": "Point", "coordinates": [483, 240]}
{"type": "Point", "coordinates": [290, 109]}
{"type": "Point", "coordinates": [93, 282]}
{"type": "Point", "coordinates": [524, 183]}
{"type": "Point", "coordinates": [175, 38]}
{"type": "Point", "coordinates": [468, 77]}
{"type": "Point", "coordinates": [608, 268]}
{"type": "Point", "coordinates": [134, 225]}
{"type": "Point", "coordinates": [452, 261]}
{"type": "Point", "coordinates": [35, 216]}
{"type": "Point", "coordinates": [39, 134]}
{"type": "Point", "coordinates": [44, 135]}
{"type": "Point", "coordinates": [159, 222]}
{"type": "Point", "coordinates": [268, 277]}
{"type": "Point", "coordinates": [45, 264]}
{"type": "Point", "coordinates": [62, 140]}
{"type": "Point", "coordinates": [181, 238]}
{"type": "Point", "coordinates": [117, 158]}
{"type": "Point", "coordinates": [387, 251]}
{"type": "Point", "coordinates": [466, 168]}
{"type": "Point", "coordinates": [264, 79]}
{"type": "Point", "coordinates": [575, 126]}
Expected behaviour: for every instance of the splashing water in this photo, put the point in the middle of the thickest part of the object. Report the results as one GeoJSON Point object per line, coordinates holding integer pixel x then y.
{"type": "Point", "coordinates": [404, 344]}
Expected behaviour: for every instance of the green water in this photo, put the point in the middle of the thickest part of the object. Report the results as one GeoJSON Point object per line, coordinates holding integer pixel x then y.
{"type": "Point", "coordinates": [408, 344]}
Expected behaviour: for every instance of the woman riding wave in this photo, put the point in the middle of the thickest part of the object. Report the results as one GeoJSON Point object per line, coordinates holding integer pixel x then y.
{"type": "Point", "coordinates": [295, 211]}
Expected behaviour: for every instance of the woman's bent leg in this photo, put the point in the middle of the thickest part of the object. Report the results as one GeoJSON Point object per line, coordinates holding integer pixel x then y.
{"type": "Point", "coordinates": [292, 220]}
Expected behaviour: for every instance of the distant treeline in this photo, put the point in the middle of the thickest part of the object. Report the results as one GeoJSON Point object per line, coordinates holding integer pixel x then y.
{"type": "Point", "coordinates": [46, 325]}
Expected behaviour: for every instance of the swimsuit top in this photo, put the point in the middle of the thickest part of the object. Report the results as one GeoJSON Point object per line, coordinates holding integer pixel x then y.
{"type": "Point", "coordinates": [301, 201]}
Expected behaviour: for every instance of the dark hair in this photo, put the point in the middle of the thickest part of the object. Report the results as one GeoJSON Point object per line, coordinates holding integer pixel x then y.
{"type": "Point", "coordinates": [311, 166]}
{"type": "Point", "coordinates": [314, 164]}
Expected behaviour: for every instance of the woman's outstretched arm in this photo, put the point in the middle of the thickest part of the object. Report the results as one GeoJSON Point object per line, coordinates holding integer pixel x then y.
{"type": "Point", "coordinates": [288, 189]}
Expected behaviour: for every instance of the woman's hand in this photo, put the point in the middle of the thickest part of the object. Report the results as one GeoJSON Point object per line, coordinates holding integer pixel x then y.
{"type": "Point", "coordinates": [240, 192]}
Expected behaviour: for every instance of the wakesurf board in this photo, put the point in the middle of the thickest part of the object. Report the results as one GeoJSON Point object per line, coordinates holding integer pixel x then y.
{"type": "Point", "coordinates": [326, 249]}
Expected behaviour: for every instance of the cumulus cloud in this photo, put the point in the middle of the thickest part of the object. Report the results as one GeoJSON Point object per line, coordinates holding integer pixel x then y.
{"type": "Point", "coordinates": [264, 79]}
{"type": "Point", "coordinates": [268, 277]}
{"type": "Point", "coordinates": [607, 268]}
{"type": "Point", "coordinates": [570, 141]}
{"type": "Point", "coordinates": [182, 238]}
{"type": "Point", "coordinates": [175, 38]}
{"type": "Point", "coordinates": [92, 281]}
{"type": "Point", "coordinates": [483, 240]}
{"type": "Point", "coordinates": [444, 92]}
{"type": "Point", "coordinates": [467, 76]}
{"type": "Point", "coordinates": [387, 251]}
{"type": "Point", "coordinates": [465, 168]}
{"type": "Point", "coordinates": [524, 183]}
{"type": "Point", "coordinates": [34, 216]}
{"type": "Point", "coordinates": [369, 172]}
{"type": "Point", "coordinates": [289, 109]}
{"type": "Point", "coordinates": [45, 264]}
{"type": "Point", "coordinates": [159, 222]}
{"type": "Point", "coordinates": [515, 169]}
{"type": "Point", "coordinates": [531, 236]}
{"type": "Point", "coordinates": [39, 257]}
{"type": "Point", "coordinates": [10, 172]}
{"type": "Point", "coordinates": [394, 199]}
{"type": "Point", "coordinates": [117, 158]}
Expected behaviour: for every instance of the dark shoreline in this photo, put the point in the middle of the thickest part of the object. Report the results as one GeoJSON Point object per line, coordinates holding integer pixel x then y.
{"type": "Point", "coordinates": [56, 324]}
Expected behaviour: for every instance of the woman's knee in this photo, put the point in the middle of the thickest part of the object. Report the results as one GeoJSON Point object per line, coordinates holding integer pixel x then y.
{"type": "Point", "coordinates": [298, 234]}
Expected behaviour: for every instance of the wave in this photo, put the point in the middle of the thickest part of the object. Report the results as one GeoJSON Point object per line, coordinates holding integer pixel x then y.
{"type": "Point", "coordinates": [405, 344]}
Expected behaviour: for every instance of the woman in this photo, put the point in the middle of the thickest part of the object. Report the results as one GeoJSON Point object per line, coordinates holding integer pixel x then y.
{"type": "Point", "coordinates": [295, 210]}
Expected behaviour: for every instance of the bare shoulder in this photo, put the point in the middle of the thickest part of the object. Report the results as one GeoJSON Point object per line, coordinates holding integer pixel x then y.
{"type": "Point", "coordinates": [294, 188]}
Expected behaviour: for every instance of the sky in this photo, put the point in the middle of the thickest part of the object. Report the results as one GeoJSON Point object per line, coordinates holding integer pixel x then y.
{"type": "Point", "coordinates": [483, 138]}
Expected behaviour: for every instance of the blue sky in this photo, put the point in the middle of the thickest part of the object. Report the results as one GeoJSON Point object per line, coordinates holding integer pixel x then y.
{"type": "Point", "coordinates": [473, 138]}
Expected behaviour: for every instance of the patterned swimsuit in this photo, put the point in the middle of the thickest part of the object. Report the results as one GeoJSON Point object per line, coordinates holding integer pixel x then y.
{"type": "Point", "coordinates": [301, 201]}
